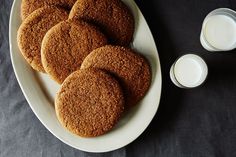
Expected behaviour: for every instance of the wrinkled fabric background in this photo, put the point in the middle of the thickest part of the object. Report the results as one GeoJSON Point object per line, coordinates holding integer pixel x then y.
{"type": "Point", "coordinates": [197, 122]}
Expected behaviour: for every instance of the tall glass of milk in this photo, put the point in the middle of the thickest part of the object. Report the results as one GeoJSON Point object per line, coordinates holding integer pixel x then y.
{"type": "Point", "coordinates": [188, 71]}
{"type": "Point", "coordinates": [219, 30]}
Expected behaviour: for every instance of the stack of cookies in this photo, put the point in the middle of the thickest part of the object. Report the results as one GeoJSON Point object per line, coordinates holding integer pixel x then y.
{"type": "Point", "coordinates": [83, 45]}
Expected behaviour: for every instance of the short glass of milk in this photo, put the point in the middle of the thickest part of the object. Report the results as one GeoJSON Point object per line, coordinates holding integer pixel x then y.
{"type": "Point", "coordinates": [188, 71]}
{"type": "Point", "coordinates": [219, 30]}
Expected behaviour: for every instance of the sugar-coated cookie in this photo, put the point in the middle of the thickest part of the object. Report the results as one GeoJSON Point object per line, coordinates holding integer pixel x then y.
{"type": "Point", "coordinates": [112, 16]}
{"type": "Point", "coordinates": [130, 68]}
{"type": "Point", "coordinates": [32, 31]}
{"type": "Point", "coordinates": [65, 46]}
{"type": "Point", "coordinates": [28, 6]}
{"type": "Point", "coordinates": [89, 103]}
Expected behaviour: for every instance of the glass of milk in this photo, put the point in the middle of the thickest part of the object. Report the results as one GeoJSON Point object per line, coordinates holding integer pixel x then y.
{"type": "Point", "coordinates": [188, 71]}
{"type": "Point", "coordinates": [219, 30]}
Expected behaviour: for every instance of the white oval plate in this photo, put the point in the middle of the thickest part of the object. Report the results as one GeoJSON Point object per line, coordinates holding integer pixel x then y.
{"type": "Point", "coordinates": [39, 90]}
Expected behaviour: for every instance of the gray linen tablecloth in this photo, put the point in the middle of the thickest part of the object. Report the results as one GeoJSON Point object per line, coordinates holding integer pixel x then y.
{"type": "Point", "coordinates": [198, 122]}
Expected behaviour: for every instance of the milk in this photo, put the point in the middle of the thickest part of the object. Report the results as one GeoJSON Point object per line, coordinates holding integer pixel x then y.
{"type": "Point", "coordinates": [219, 30]}
{"type": "Point", "coordinates": [189, 71]}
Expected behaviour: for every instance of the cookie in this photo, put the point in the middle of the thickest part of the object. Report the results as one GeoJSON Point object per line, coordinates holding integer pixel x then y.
{"type": "Point", "coordinates": [28, 6]}
{"type": "Point", "coordinates": [65, 46]}
{"type": "Point", "coordinates": [129, 67]}
{"type": "Point", "coordinates": [112, 16]}
{"type": "Point", "coordinates": [89, 103]}
{"type": "Point", "coordinates": [32, 31]}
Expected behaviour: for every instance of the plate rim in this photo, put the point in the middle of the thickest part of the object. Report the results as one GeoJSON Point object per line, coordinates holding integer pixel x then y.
{"type": "Point", "coordinates": [45, 125]}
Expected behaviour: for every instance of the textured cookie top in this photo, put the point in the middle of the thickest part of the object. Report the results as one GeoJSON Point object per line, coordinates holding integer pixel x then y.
{"type": "Point", "coordinates": [65, 46]}
{"type": "Point", "coordinates": [28, 6]}
{"type": "Point", "coordinates": [32, 31]}
{"type": "Point", "coordinates": [89, 103]}
{"type": "Point", "coordinates": [130, 68]}
{"type": "Point", "coordinates": [112, 16]}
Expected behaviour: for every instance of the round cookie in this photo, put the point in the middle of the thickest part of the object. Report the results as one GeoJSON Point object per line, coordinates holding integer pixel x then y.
{"type": "Point", "coordinates": [65, 46]}
{"type": "Point", "coordinates": [130, 68]}
{"type": "Point", "coordinates": [112, 16]}
{"type": "Point", "coordinates": [28, 6]}
{"type": "Point", "coordinates": [32, 31]}
{"type": "Point", "coordinates": [89, 103]}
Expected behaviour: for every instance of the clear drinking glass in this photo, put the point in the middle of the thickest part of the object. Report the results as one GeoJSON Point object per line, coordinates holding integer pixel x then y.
{"type": "Point", "coordinates": [189, 71]}
{"type": "Point", "coordinates": [219, 30]}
